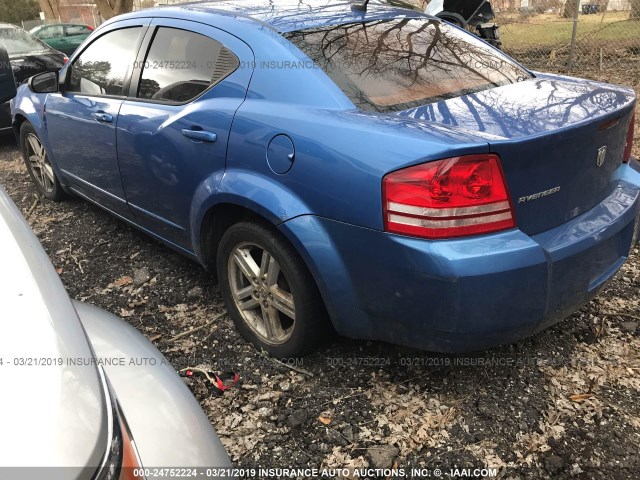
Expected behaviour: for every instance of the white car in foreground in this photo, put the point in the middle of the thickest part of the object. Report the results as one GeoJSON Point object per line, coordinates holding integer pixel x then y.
{"type": "Point", "coordinates": [84, 394]}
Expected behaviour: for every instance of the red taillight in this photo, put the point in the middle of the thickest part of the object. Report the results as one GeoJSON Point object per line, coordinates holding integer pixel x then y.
{"type": "Point", "coordinates": [454, 197]}
{"type": "Point", "coordinates": [629, 142]}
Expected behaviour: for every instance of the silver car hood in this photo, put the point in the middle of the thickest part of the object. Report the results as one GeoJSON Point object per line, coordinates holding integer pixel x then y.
{"type": "Point", "coordinates": [52, 413]}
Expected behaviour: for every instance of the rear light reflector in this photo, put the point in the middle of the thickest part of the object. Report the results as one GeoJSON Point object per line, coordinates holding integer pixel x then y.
{"type": "Point", "coordinates": [629, 142]}
{"type": "Point", "coordinates": [449, 198]}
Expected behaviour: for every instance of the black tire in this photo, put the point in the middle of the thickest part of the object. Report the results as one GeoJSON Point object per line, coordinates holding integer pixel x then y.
{"type": "Point", "coordinates": [40, 170]}
{"type": "Point", "coordinates": [457, 21]}
{"type": "Point", "coordinates": [310, 325]}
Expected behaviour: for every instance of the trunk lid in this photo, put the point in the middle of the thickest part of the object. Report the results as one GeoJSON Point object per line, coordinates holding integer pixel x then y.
{"type": "Point", "coordinates": [560, 140]}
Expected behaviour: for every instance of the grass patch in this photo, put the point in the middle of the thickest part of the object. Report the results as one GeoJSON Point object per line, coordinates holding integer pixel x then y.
{"type": "Point", "coordinates": [552, 30]}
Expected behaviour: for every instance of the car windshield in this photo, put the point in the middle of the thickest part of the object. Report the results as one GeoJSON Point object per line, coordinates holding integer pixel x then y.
{"type": "Point", "coordinates": [18, 42]}
{"type": "Point", "coordinates": [392, 65]}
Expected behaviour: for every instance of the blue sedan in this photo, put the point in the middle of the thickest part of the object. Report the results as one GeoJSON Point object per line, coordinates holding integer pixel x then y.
{"type": "Point", "coordinates": [362, 166]}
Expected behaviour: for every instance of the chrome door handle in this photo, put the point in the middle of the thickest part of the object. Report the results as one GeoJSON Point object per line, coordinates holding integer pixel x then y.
{"type": "Point", "coordinates": [201, 135]}
{"type": "Point", "coordinates": [103, 117]}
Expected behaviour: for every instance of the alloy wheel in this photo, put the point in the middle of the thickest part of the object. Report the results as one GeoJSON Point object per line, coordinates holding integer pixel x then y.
{"type": "Point", "coordinates": [39, 163]}
{"type": "Point", "coordinates": [261, 293]}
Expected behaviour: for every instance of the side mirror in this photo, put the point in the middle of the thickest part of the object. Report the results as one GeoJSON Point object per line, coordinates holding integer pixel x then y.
{"type": "Point", "coordinates": [46, 82]}
{"type": "Point", "coordinates": [7, 82]}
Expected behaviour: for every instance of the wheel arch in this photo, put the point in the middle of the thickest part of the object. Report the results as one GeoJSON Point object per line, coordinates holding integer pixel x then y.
{"type": "Point", "coordinates": [219, 217]}
{"type": "Point", "coordinates": [215, 221]}
{"type": "Point", "coordinates": [25, 108]}
{"type": "Point", "coordinates": [18, 120]}
{"type": "Point", "coordinates": [231, 196]}
{"type": "Point", "coordinates": [453, 18]}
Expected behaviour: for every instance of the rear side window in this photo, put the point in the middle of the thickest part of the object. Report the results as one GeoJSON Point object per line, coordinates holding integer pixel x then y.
{"type": "Point", "coordinates": [181, 65]}
{"type": "Point", "coordinates": [392, 65]}
{"type": "Point", "coordinates": [103, 67]}
{"type": "Point", "coordinates": [77, 30]}
{"type": "Point", "coordinates": [52, 31]}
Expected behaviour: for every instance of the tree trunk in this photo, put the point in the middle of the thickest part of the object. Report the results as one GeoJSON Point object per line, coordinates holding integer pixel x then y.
{"type": "Point", "coordinates": [111, 8]}
{"type": "Point", "coordinates": [570, 8]}
{"type": "Point", "coordinates": [635, 9]}
{"type": "Point", "coordinates": [51, 9]}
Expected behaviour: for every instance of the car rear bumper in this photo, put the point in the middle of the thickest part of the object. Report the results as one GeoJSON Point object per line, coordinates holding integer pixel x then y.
{"type": "Point", "coordinates": [466, 294]}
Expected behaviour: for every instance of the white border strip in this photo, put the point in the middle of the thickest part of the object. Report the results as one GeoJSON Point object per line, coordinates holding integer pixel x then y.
{"type": "Point", "coordinates": [447, 212]}
{"type": "Point", "coordinates": [461, 222]}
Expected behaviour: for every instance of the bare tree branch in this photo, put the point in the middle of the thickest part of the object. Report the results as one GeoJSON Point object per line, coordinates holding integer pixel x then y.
{"type": "Point", "coordinates": [51, 9]}
{"type": "Point", "coordinates": [111, 8]}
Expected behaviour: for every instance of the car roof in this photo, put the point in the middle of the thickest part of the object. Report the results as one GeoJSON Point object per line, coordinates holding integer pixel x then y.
{"type": "Point", "coordinates": [63, 24]}
{"type": "Point", "coordinates": [288, 15]}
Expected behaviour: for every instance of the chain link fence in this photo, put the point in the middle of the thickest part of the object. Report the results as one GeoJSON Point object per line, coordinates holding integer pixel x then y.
{"type": "Point", "coordinates": [590, 37]}
{"type": "Point", "coordinates": [572, 36]}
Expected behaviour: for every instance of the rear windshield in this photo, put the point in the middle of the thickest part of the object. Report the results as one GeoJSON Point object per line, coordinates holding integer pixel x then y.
{"type": "Point", "coordinates": [18, 42]}
{"type": "Point", "coordinates": [392, 65]}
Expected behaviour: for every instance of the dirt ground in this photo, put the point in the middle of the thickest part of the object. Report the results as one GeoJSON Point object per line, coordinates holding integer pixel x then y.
{"type": "Point", "coordinates": [563, 404]}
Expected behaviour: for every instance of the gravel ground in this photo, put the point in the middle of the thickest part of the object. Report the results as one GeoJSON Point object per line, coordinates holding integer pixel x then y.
{"type": "Point", "coordinates": [563, 404]}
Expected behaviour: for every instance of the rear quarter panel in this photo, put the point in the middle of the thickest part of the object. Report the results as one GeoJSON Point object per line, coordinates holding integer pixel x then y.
{"type": "Point", "coordinates": [340, 158]}
{"type": "Point", "coordinates": [341, 154]}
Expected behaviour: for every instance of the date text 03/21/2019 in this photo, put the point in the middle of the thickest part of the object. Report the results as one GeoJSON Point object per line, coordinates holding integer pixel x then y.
{"type": "Point", "coordinates": [81, 361]}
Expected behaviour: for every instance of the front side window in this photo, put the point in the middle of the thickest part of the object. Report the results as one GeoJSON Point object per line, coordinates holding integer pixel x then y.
{"type": "Point", "coordinates": [392, 65]}
{"type": "Point", "coordinates": [103, 67]}
{"type": "Point", "coordinates": [181, 65]}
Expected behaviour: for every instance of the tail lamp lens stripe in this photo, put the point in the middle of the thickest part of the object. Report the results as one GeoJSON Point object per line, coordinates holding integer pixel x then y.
{"type": "Point", "coordinates": [447, 212]}
{"type": "Point", "coordinates": [461, 222]}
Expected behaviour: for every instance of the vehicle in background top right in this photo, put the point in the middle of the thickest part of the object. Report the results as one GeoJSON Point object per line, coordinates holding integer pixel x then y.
{"type": "Point", "coordinates": [473, 15]}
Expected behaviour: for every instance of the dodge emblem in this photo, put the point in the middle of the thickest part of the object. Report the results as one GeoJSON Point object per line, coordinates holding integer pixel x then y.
{"type": "Point", "coordinates": [602, 154]}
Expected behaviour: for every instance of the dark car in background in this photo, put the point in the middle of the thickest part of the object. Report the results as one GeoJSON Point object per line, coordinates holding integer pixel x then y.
{"type": "Point", "coordinates": [28, 56]}
{"type": "Point", "coordinates": [65, 37]}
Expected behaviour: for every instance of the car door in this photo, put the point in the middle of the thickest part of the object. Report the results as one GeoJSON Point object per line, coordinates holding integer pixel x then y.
{"type": "Point", "coordinates": [81, 120]}
{"type": "Point", "coordinates": [174, 127]}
